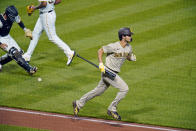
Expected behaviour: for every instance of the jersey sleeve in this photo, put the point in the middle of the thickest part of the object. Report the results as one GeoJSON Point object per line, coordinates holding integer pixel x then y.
{"type": "Point", "coordinates": [130, 50]}
{"type": "Point", "coordinates": [17, 19]}
{"type": "Point", "coordinates": [108, 48]}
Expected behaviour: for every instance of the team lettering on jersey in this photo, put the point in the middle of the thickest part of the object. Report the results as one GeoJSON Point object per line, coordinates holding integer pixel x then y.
{"type": "Point", "coordinates": [122, 54]}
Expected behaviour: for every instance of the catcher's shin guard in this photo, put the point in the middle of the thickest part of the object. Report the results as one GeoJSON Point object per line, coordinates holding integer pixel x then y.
{"type": "Point", "coordinates": [5, 59]}
{"type": "Point", "coordinates": [17, 56]}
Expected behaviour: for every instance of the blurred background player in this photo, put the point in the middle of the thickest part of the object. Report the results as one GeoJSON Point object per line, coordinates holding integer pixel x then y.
{"type": "Point", "coordinates": [46, 21]}
{"type": "Point", "coordinates": [117, 53]}
{"type": "Point", "coordinates": [8, 44]}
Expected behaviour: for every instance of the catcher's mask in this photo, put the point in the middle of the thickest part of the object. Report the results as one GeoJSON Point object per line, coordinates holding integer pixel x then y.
{"type": "Point", "coordinates": [11, 12]}
{"type": "Point", "coordinates": [125, 31]}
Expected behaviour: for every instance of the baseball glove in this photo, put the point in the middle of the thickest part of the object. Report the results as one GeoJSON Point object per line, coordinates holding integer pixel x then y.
{"type": "Point", "coordinates": [28, 33]}
{"type": "Point", "coordinates": [30, 9]}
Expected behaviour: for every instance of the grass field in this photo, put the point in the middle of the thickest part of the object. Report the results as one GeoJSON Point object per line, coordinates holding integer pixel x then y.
{"type": "Point", "coordinates": [162, 81]}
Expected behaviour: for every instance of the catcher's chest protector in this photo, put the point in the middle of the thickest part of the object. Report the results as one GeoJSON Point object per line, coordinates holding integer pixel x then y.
{"type": "Point", "coordinates": [7, 25]}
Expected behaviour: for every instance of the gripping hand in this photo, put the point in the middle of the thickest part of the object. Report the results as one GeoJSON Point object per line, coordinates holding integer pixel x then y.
{"type": "Point", "coordinates": [28, 33]}
{"type": "Point", "coordinates": [133, 57]}
{"type": "Point", "coordinates": [102, 67]}
{"type": "Point", "coordinates": [30, 9]}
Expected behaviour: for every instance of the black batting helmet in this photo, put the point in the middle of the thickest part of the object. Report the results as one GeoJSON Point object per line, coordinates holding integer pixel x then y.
{"type": "Point", "coordinates": [125, 31]}
{"type": "Point", "coordinates": [11, 12]}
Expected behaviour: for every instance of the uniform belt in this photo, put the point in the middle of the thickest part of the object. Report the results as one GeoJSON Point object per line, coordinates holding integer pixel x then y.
{"type": "Point", "coordinates": [112, 70]}
{"type": "Point", "coordinates": [45, 12]}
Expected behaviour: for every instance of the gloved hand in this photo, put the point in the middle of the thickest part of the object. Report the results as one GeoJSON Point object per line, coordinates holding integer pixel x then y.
{"type": "Point", "coordinates": [30, 9]}
{"type": "Point", "coordinates": [133, 57]}
{"type": "Point", "coordinates": [28, 33]}
{"type": "Point", "coordinates": [102, 67]}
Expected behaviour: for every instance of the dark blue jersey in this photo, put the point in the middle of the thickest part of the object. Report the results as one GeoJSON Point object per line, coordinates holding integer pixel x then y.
{"type": "Point", "coordinates": [7, 25]}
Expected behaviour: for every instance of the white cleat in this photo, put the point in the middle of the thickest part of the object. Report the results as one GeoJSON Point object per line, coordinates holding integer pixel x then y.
{"type": "Point", "coordinates": [26, 57]}
{"type": "Point", "coordinates": [70, 59]}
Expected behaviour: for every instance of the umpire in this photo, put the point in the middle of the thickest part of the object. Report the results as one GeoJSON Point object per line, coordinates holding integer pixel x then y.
{"type": "Point", "coordinates": [117, 53]}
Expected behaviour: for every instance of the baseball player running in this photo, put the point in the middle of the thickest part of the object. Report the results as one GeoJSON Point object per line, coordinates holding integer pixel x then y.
{"type": "Point", "coordinates": [117, 53]}
{"type": "Point", "coordinates": [46, 21]}
{"type": "Point", "coordinates": [8, 44]}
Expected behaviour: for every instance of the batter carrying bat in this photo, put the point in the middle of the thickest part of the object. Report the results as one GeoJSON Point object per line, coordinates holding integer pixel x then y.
{"type": "Point", "coordinates": [107, 72]}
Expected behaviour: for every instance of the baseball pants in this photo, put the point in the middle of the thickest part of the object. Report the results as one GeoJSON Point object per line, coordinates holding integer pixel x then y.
{"type": "Point", "coordinates": [103, 85]}
{"type": "Point", "coordinates": [46, 21]}
{"type": "Point", "coordinates": [10, 43]}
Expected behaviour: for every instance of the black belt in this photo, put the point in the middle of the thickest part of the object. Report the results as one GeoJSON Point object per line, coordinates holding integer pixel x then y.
{"type": "Point", "coordinates": [45, 12]}
{"type": "Point", "coordinates": [112, 70]}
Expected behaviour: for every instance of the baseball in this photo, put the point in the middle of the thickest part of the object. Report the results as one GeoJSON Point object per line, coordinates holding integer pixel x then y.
{"type": "Point", "coordinates": [39, 79]}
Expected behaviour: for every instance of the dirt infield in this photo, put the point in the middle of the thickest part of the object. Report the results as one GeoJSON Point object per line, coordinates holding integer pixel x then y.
{"type": "Point", "coordinates": [60, 122]}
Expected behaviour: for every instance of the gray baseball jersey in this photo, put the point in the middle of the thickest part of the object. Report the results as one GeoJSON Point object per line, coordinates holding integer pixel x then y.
{"type": "Point", "coordinates": [116, 55]}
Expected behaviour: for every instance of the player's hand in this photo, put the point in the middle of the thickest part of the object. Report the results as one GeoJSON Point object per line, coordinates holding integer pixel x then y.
{"type": "Point", "coordinates": [133, 57]}
{"type": "Point", "coordinates": [28, 33]}
{"type": "Point", "coordinates": [30, 9]}
{"type": "Point", "coordinates": [102, 67]}
{"type": "Point", "coordinates": [3, 46]}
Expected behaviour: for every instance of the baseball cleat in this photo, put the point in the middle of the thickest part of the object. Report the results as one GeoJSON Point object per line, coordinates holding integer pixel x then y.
{"type": "Point", "coordinates": [114, 114]}
{"type": "Point", "coordinates": [33, 70]}
{"type": "Point", "coordinates": [70, 59]}
{"type": "Point", "coordinates": [75, 108]}
{"type": "Point", "coordinates": [26, 57]}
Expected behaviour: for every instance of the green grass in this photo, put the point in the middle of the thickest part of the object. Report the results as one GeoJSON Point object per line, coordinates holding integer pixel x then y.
{"type": "Point", "coordinates": [16, 128]}
{"type": "Point", "coordinates": [162, 81]}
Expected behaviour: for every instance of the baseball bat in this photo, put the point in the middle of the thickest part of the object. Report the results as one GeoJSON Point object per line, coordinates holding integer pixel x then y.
{"type": "Point", "coordinates": [107, 72]}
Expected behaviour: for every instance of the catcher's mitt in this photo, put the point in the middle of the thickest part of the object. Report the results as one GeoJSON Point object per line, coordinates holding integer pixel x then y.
{"type": "Point", "coordinates": [30, 9]}
{"type": "Point", "coordinates": [28, 33]}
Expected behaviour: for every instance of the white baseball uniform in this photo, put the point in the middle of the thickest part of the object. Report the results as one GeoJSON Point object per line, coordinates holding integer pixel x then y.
{"type": "Point", "coordinates": [46, 21]}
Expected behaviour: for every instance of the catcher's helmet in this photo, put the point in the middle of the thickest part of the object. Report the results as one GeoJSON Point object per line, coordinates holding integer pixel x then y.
{"type": "Point", "coordinates": [125, 31]}
{"type": "Point", "coordinates": [11, 12]}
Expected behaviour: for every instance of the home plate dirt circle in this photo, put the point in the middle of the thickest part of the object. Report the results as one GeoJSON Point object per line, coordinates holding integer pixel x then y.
{"type": "Point", "coordinates": [60, 122]}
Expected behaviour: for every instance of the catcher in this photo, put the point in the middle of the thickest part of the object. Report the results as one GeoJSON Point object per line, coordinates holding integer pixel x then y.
{"type": "Point", "coordinates": [8, 44]}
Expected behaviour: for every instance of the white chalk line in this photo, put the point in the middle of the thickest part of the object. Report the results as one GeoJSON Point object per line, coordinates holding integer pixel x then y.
{"type": "Point", "coordinates": [86, 119]}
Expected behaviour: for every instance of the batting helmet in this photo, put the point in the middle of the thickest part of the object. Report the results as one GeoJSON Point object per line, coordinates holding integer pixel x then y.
{"type": "Point", "coordinates": [125, 31]}
{"type": "Point", "coordinates": [11, 12]}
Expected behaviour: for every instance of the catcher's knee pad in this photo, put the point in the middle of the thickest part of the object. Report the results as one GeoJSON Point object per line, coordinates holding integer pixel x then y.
{"type": "Point", "coordinates": [14, 53]}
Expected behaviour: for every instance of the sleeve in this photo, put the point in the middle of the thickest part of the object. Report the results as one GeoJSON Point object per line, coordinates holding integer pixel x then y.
{"type": "Point", "coordinates": [108, 48]}
{"type": "Point", "coordinates": [130, 50]}
{"type": "Point", "coordinates": [17, 19]}
{"type": "Point", "coordinates": [1, 25]}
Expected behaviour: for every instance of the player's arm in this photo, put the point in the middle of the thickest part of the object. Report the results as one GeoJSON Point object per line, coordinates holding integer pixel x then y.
{"type": "Point", "coordinates": [57, 2]}
{"type": "Point", "coordinates": [100, 54]}
{"type": "Point", "coordinates": [131, 57]}
{"type": "Point", "coordinates": [28, 32]}
{"type": "Point", "coordinates": [41, 5]}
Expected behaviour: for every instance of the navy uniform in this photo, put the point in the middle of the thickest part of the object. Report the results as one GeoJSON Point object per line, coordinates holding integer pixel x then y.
{"type": "Point", "coordinates": [117, 53]}
{"type": "Point", "coordinates": [8, 44]}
